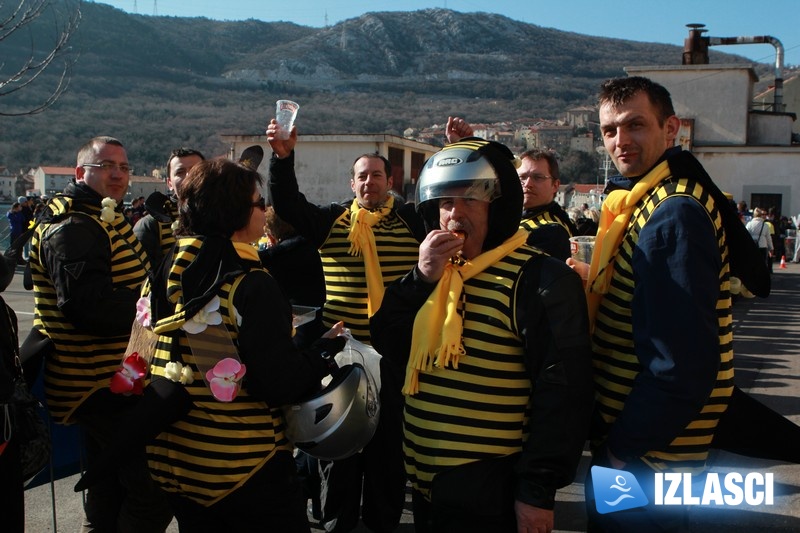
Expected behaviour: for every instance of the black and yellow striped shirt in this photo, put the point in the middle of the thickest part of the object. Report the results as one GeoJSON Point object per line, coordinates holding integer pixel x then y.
{"type": "Point", "coordinates": [217, 446]}
{"type": "Point", "coordinates": [481, 409]}
{"type": "Point", "coordinates": [345, 274]}
{"type": "Point", "coordinates": [616, 361]}
{"type": "Point", "coordinates": [81, 362]}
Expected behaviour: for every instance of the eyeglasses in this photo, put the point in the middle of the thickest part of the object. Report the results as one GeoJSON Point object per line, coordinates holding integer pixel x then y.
{"type": "Point", "coordinates": [261, 203]}
{"type": "Point", "coordinates": [538, 178]}
{"type": "Point", "coordinates": [108, 167]}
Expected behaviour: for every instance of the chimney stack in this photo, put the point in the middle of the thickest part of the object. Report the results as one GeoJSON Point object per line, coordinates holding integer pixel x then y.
{"type": "Point", "coordinates": [695, 47]}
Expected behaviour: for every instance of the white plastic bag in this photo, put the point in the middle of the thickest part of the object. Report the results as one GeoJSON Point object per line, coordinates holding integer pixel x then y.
{"type": "Point", "coordinates": [357, 352]}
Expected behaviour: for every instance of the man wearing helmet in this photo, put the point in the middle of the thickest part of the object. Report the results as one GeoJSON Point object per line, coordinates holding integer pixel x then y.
{"type": "Point", "coordinates": [364, 245]}
{"type": "Point", "coordinates": [494, 337]}
{"type": "Point", "coordinates": [548, 224]}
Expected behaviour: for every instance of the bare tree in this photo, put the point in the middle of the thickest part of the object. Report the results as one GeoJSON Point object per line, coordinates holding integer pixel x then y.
{"type": "Point", "coordinates": [24, 18]}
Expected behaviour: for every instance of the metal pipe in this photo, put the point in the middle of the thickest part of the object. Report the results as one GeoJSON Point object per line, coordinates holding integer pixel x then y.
{"type": "Point", "coordinates": [761, 39]}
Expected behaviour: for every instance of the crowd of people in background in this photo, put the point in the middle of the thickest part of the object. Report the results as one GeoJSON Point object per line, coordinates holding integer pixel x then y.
{"type": "Point", "coordinates": [502, 356]}
{"type": "Point", "coordinates": [775, 234]}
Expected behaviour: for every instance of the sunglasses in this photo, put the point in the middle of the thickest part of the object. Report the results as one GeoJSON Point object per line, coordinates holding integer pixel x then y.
{"type": "Point", "coordinates": [261, 203]}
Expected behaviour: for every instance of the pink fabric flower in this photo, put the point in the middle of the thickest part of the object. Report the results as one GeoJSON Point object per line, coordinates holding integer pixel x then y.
{"type": "Point", "coordinates": [224, 379]}
{"type": "Point", "coordinates": [129, 379]}
{"type": "Point", "coordinates": [143, 311]}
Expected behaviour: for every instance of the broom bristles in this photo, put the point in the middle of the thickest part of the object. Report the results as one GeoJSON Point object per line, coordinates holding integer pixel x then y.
{"type": "Point", "coordinates": [142, 341]}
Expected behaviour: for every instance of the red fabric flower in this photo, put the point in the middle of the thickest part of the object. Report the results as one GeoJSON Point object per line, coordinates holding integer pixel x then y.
{"type": "Point", "coordinates": [129, 379]}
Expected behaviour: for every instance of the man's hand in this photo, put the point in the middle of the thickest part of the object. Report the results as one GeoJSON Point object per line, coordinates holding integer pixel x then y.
{"type": "Point", "coordinates": [457, 128]}
{"type": "Point", "coordinates": [281, 147]}
{"type": "Point", "coordinates": [532, 519]}
{"type": "Point", "coordinates": [335, 331]}
{"type": "Point", "coordinates": [435, 252]}
{"type": "Point", "coordinates": [580, 267]}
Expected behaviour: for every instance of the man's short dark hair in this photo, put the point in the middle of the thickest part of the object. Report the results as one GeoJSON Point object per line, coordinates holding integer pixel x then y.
{"type": "Point", "coordinates": [548, 156]}
{"type": "Point", "coordinates": [617, 91]}
{"type": "Point", "coordinates": [182, 152]}
{"type": "Point", "coordinates": [86, 151]}
{"type": "Point", "coordinates": [374, 155]}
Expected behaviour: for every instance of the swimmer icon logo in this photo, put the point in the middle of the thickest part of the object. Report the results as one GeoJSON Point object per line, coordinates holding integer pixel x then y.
{"type": "Point", "coordinates": [616, 490]}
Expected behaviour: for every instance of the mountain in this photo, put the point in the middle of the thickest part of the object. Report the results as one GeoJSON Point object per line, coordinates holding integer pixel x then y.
{"type": "Point", "coordinates": [160, 82]}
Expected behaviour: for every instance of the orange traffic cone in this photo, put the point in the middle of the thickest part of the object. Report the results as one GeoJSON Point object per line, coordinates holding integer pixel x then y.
{"type": "Point", "coordinates": [783, 261]}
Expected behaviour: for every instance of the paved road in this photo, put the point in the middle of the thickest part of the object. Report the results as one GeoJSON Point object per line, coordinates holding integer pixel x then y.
{"type": "Point", "coordinates": [767, 347]}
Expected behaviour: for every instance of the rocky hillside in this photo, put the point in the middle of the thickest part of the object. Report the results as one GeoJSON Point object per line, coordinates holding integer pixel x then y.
{"type": "Point", "coordinates": [441, 45]}
{"type": "Point", "coordinates": [161, 82]}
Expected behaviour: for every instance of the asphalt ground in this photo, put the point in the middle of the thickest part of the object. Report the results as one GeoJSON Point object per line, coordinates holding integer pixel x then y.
{"type": "Point", "coordinates": [767, 360]}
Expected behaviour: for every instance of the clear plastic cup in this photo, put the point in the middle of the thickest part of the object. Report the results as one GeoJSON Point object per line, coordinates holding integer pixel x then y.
{"type": "Point", "coordinates": [582, 247]}
{"type": "Point", "coordinates": [285, 113]}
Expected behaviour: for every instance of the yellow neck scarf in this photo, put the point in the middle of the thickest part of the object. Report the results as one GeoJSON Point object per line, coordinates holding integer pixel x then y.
{"type": "Point", "coordinates": [175, 283]}
{"type": "Point", "coordinates": [614, 219]}
{"type": "Point", "coordinates": [246, 251]}
{"type": "Point", "coordinates": [436, 338]}
{"type": "Point", "coordinates": [362, 242]}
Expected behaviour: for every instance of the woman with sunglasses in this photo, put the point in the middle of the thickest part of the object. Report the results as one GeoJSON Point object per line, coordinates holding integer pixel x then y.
{"type": "Point", "coordinates": [225, 335]}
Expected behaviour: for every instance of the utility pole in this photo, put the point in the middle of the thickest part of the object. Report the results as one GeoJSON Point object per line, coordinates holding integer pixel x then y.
{"type": "Point", "coordinates": [155, 8]}
{"type": "Point", "coordinates": [605, 166]}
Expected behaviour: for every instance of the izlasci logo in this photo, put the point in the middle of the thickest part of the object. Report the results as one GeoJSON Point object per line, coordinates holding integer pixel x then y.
{"type": "Point", "coordinates": [754, 488]}
{"type": "Point", "coordinates": [616, 490]}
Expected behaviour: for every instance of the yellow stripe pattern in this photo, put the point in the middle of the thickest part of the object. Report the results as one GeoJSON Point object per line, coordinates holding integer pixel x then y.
{"type": "Point", "coordinates": [217, 446]}
{"type": "Point", "coordinates": [345, 275]}
{"type": "Point", "coordinates": [166, 235]}
{"type": "Point", "coordinates": [615, 362]}
{"type": "Point", "coordinates": [480, 409]}
{"type": "Point", "coordinates": [542, 219]}
{"type": "Point", "coordinates": [82, 363]}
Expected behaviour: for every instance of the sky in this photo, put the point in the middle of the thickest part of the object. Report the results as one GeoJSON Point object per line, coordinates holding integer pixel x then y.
{"type": "Point", "coordinates": [642, 20]}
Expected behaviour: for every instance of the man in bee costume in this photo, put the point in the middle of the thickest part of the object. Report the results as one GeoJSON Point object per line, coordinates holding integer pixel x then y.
{"type": "Point", "coordinates": [659, 292]}
{"type": "Point", "coordinates": [87, 269]}
{"type": "Point", "coordinates": [364, 246]}
{"type": "Point", "coordinates": [155, 229]}
{"type": "Point", "coordinates": [549, 225]}
{"type": "Point", "coordinates": [494, 337]}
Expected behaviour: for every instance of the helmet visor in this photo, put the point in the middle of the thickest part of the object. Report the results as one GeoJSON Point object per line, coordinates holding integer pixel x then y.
{"type": "Point", "coordinates": [457, 174]}
{"type": "Point", "coordinates": [483, 190]}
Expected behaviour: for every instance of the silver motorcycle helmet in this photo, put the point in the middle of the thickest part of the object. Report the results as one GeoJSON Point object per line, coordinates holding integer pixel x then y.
{"type": "Point", "coordinates": [338, 421]}
{"type": "Point", "coordinates": [457, 171]}
{"type": "Point", "coordinates": [478, 169]}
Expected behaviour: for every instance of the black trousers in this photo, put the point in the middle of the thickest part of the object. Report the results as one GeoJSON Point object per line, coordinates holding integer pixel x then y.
{"type": "Point", "coordinates": [271, 500]}
{"type": "Point", "coordinates": [11, 489]}
{"type": "Point", "coordinates": [377, 474]}
{"type": "Point", "coordinates": [128, 501]}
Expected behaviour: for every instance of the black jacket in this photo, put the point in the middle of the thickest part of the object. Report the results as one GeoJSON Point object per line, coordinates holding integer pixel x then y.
{"type": "Point", "coordinates": [77, 255]}
{"type": "Point", "coordinates": [296, 266]}
{"type": "Point", "coordinates": [551, 314]}
{"type": "Point", "coordinates": [551, 238]}
{"type": "Point", "coordinates": [312, 221]}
